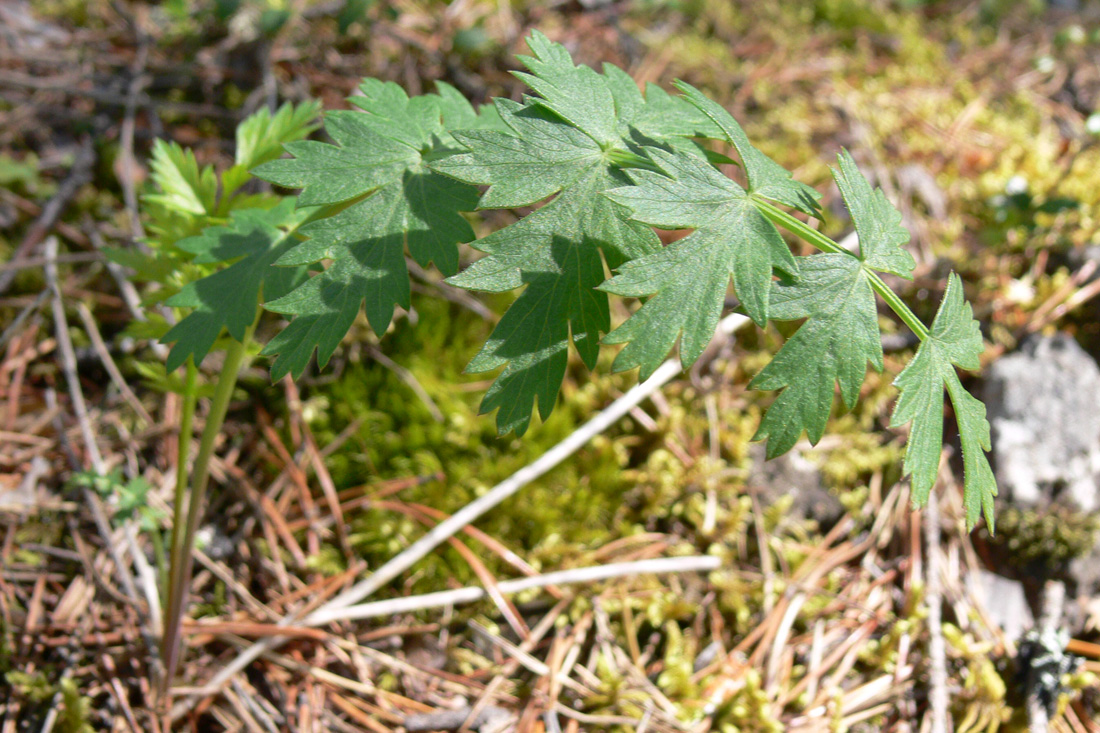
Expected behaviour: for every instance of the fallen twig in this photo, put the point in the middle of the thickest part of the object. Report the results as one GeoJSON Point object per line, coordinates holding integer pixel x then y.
{"type": "Point", "coordinates": [109, 364]}
{"type": "Point", "coordinates": [518, 480]}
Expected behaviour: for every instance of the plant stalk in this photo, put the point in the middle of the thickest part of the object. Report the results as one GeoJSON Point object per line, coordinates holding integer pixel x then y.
{"type": "Point", "coordinates": [183, 454]}
{"type": "Point", "coordinates": [182, 547]}
{"type": "Point", "coordinates": [810, 235]}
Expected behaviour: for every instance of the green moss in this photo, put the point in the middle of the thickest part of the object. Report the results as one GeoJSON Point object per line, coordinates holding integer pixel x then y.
{"type": "Point", "coordinates": [615, 695]}
{"type": "Point", "coordinates": [748, 710]}
{"type": "Point", "coordinates": [681, 649]}
{"type": "Point", "coordinates": [860, 453]}
{"type": "Point", "coordinates": [35, 687]}
{"type": "Point", "coordinates": [739, 598]}
{"type": "Point", "coordinates": [216, 602]}
{"type": "Point", "coordinates": [329, 561]}
{"type": "Point", "coordinates": [980, 703]}
{"type": "Point", "coordinates": [75, 709]}
{"type": "Point", "coordinates": [552, 520]}
{"type": "Point", "coordinates": [1052, 537]}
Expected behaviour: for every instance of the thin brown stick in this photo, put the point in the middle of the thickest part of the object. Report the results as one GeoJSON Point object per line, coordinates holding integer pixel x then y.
{"type": "Point", "coordinates": [109, 364]}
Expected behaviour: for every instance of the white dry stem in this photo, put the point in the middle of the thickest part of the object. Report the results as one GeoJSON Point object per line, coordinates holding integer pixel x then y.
{"type": "Point", "coordinates": [694, 563]}
{"type": "Point", "coordinates": [937, 648]}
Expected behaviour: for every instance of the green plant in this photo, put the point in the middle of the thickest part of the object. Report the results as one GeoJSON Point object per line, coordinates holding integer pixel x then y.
{"type": "Point", "coordinates": [609, 164]}
{"type": "Point", "coordinates": [131, 502]}
{"type": "Point", "coordinates": [211, 237]}
{"type": "Point", "coordinates": [74, 709]}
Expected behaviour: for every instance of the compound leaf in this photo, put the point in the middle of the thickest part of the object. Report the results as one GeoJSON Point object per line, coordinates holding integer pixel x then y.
{"type": "Point", "coordinates": [732, 238]}
{"type": "Point", "coordinates": [689, 278]}
{"type": "Point", "coordinates": [559, 144]}
{"type": "Point", "coordinates": [366, 243]}
{"type": "Point", "coordinates": [229, 298]}
{"type": "Point", "coordinates": [954, 340]}
{"type": "Point", "coordinates": [384, 200]}
{"type": "Point", "coordinates": [841, 334]}
{"type": "Point", "coordinates": [555, 252]}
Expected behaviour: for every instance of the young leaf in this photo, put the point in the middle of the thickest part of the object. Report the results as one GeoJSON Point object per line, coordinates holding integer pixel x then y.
{"type": "Point", "coordinates": [841, 334]}
{"type": "Point", "coordinates": [954, 340]}
{"type": "Point", "coordinates": [379, 164]}
{"type": "Point", "coordinates": [689, 278]}
{"type": "Point", "coordinates": [261, 136]}
{"type": "Point", "coordinates": [229, 298]}
{"type": "Point", "coordinates": [147, 266]}
{"type": "Point", "coordinates": [184, 186]}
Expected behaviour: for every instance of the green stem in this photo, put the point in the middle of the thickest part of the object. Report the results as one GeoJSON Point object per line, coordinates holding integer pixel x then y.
{"type": "Point", "coordinates": [183, 454]}
{"type": "Point", "coordinates": [898, 306]}
{"type": "Point", "coordinates": [810, 235]}
{"type": "Point", "coordinates": [159, 555]}
{"type": "Point", "coordinates": [181, 562]}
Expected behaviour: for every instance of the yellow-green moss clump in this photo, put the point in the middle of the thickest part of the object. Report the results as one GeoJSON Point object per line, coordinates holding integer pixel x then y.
{"type": "Point", "coordinates": [1052, 536]}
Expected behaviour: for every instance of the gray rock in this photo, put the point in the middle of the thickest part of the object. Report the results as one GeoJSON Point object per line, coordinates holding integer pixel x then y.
{"type": "Point", "coordinates": [1044, 408]}
{"type": "Point", "coordinates": [1004, 601]}
{"type": "Point", "coordinates": [792, 474]}
{"type": "Point", "coordinates": [1085, 572]}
